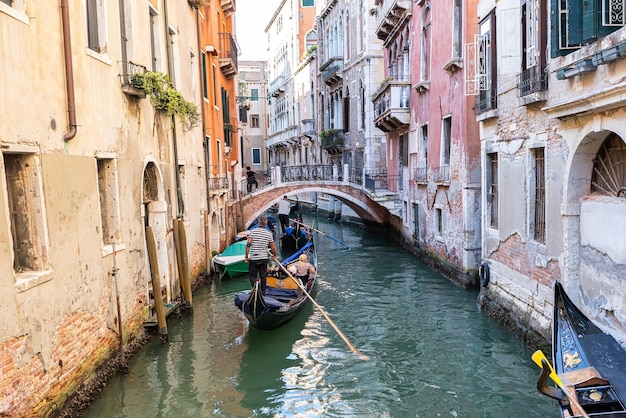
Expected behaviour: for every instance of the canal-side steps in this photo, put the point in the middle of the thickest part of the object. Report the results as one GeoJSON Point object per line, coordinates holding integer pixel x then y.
{"type": "Point", "coordinates": [168, 308]}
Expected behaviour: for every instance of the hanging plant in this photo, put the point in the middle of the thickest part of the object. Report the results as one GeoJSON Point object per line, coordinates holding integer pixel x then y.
{"type": "Point", "coordinates": [164, 97]}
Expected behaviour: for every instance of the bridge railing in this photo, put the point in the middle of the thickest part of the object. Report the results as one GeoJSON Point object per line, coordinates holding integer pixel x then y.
{"type": "Point", "coordinates": [263, 179]}
{"type": "Point", "coordinates": [318, 172]}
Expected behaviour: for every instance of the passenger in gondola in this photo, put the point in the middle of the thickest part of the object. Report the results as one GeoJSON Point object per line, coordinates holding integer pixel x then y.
{"type": "Point", "coordinates": [303, 270]}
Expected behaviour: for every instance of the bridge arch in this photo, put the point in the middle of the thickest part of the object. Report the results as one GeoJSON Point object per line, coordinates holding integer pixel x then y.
{"type": "Point", "coordinates": [370, 211]}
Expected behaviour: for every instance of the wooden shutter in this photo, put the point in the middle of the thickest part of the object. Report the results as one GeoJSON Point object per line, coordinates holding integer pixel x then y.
{"type": "Point", "coordinates": [590, 20]}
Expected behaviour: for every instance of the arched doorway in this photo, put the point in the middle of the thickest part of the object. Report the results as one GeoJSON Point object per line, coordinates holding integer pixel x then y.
{"type": "Point", "coordinates": [595, 226]}
{"type": "Point", "coordinates": [154, 212]}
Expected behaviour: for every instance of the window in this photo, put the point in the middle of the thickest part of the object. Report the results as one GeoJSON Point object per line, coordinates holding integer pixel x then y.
{"type": "Point", "coordinates": [425, 58]}
{"type": "Point", "coordinates": [487, 63]}
{"type": "Point", "coordinates": [457, 30]}
{"type": "Point", "coordinates": [438, 222]}
{"type": "Point", "coordinates": [214, 76]}
{"type": "Point", "coordinates": [26, 212]}
{"type": "Point", "coordinates": [492, 187]}
{"type": "Point", "coordinates": [109, 200]}
{"type": "Point", "coordinates": [254, 121]}
{"type": "Point", "coordinates": [346, 113]}
{"type": "Point", "coordinates": [416, 222]}
{"type": "Point", "coordinates": [446, 133]}
{"type": "Point", "coordinates": [539, 206]}
{"type": "Point", "coordinates": [308, 3]}
{"type": "Point", "coordinates": [254, 95]}
{"type": "Point", "coordinates": [228, 128]}
{"type": "Point", "coordinates": [256, 156]}
{"type": "Point", "coordinates": [96, 26]}
{"type": "Point", "coordinates": [404, 149]}
{"type": "Point", "coordinates": [533, 76]}
{"type": "Point", "coordinates": [155, 45]}
{"type": "Point", "coordinates": [574, 23]}
{"type": "Point", "coordinates": [182, 181]}
{"type": "Point", "coordinates": [424, 146]}
{"type": "Point", "coordinates": [363, 103]}
{"type": "Point", "coordinates": [8, 2]}
{"type": "Point", "coordinates": [205, 87]}
{"type": "Point", "coordinates": [173, 55]}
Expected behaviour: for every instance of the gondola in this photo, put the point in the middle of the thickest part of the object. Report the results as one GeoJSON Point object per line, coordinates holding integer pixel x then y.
{"type": "Point", "coordinates": [590, 364]}
{"type": "Point", "coordinates": [295, 236]}
{"type": "Point", "coordinates": [231, 262]}
{"type": "Point", "coordinates": [283, 297]}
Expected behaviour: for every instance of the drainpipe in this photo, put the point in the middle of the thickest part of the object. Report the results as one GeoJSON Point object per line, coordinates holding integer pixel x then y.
{"type": "Point", "coordinates": [69, 71]}
{"type": "Point", "coordinates": [207, 159]}
{"type": "Point", "coordinates": [124, 40]}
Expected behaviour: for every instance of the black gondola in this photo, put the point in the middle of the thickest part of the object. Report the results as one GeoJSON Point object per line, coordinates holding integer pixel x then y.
{"type": "Point", "coordinates": [283, 297]}
{"type": "Point", "coordinates": [590, 364]}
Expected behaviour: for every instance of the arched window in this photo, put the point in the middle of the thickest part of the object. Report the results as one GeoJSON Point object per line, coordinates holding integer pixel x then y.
{"type": "Point", "coordinates": [609, 168]}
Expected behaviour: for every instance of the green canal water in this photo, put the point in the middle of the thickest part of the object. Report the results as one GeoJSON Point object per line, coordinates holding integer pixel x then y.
{"type": "Point", "coordinates": [432, 352]}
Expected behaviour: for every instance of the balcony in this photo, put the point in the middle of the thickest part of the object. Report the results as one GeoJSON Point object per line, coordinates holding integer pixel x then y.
{"type": "Point", "coordinates": [228, 55]}
{"type": "Point", "coordinates": [332, 141]}
{"type": "Point", "coordinates": [218, 184]}
{"type": "Point", "coordinates": [532, 80]}
{"type": "Point", "coordinates": [392, 15]}
{"type": "Point", "coordinates": [228, 7]}
{"type": "Point", "coordinates": [332, 70]}
{"type": "Point", "coordinates": [440, 175]}
{"type": "Point", "coordinates": [284, 138]}
{"type": "Point", "coordinates": [277, 86]}
{"type": "Point", "coordinates": [308, 127]}
{"type": "Point", "coordinates": [420, 175]}
{"type": "Point", "coordinates": [131, 79]}
{"type": "Point", "coordinates": [391, 104]}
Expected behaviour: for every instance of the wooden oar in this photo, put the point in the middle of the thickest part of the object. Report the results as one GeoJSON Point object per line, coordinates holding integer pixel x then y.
{"type": "Point", "coordinates": [330, 321]}
{"type": "Point", "coordinates": [538, 357]}
{"type": "Point", "coordinates": [320, 232]}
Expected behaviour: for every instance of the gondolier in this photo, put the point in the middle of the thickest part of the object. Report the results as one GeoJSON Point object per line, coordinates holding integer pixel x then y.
{"type": "Point", "coordinates": [257, 256]}
{"type": "Point", "coordinates": [284, 208]}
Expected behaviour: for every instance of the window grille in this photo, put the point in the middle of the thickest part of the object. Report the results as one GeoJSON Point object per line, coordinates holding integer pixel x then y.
{"type": "Point", "coordinates": [493, 189]}
{"type": "Point", "coordinates": [539, 226]}
{"type": "Point", "coordinates": [613, 13]}
{"type": "Point", "coordinates": [609, 168]}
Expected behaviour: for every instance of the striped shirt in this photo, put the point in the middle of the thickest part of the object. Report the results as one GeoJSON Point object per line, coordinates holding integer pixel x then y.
{"type": "Point", "coordinates": [261, 239]}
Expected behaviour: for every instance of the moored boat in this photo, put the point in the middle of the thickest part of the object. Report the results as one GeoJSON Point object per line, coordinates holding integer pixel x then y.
{"type": "Point", "coordinates": [283, 297]}
{"type": "Point", "coordinates": [590, 364]}
{"type": "Point", "coordinates": [231, 262]}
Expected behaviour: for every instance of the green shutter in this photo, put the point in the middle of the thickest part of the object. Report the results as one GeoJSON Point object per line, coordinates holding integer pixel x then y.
{"type": "Point", "coordinates": [590, 20]}
{"type": "Point", "coordinates": [554, 29]}
{"type": "Point", "coordinates": [575, 22]}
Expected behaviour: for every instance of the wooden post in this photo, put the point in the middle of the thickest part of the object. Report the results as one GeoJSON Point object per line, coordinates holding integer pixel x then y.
{"type": "Point", "coordinates": [185, 280]}
{"type": "Point", "coordinates": [156, 284]}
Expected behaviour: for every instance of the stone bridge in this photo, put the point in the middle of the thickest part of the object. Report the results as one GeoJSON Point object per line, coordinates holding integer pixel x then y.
{"type": "Point", "coordinates": [290, 181]}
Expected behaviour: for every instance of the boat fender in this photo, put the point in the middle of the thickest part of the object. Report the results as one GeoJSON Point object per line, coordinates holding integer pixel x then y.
{"type": "Point", "coordinates": [483, 274]}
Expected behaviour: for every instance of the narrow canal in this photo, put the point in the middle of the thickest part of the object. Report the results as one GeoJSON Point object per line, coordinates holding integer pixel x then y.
{"type": "Point", "coordinates": [432, 352]}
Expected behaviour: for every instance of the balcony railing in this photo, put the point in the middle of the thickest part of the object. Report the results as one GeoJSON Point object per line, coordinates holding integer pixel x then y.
{"type": "Point", "coordinates": [440, 174]}
{"type": "Point", "coordinates": [131, 83]}
{"type": "Point", "coordinates": [277, 86]}
{"type": "Point", "coordinates": [332, 70]}
{"type": "Point", "coordinates": [532, 80]}
{"type": "Point", "coordinates": [379, 180]}
{"type": "Point", "coordinates": [391, 104]}
{"type": "Point", "coordinates": [285, 137]}
{"type": "Point", "coordinates": [216, 183]}
{"type": "Point", "coordinates": [420, 174]}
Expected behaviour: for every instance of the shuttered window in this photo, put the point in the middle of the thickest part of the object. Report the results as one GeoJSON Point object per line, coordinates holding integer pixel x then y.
{"type": "Point", "coordinates": [574, 23]}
